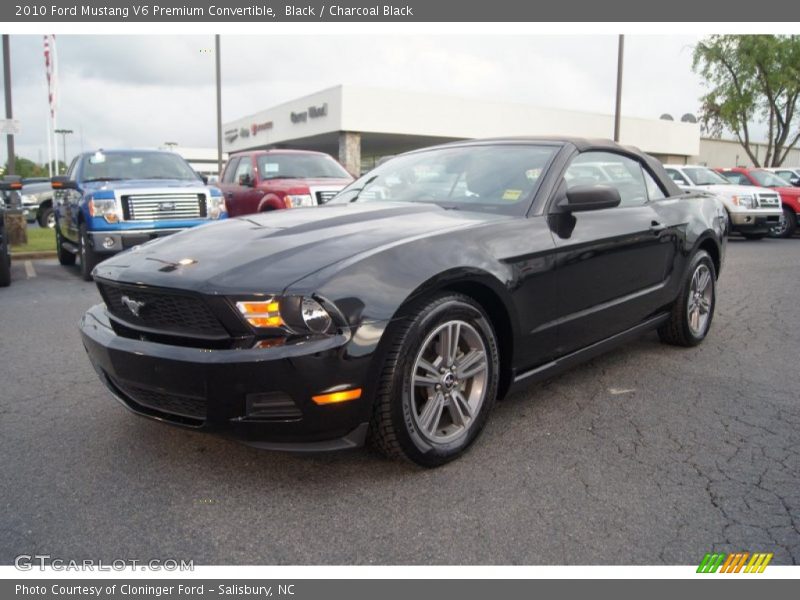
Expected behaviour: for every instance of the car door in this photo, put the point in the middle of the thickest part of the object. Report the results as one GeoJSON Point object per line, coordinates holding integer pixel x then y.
{"type": "Point", "coordinates": [226, 184]}
{"type": "Point", "coordinates": [613, 263]}
{"type": "Point", "coordinates": [243, 196]}
{"type": "Point", "coordinates": [66, 204]}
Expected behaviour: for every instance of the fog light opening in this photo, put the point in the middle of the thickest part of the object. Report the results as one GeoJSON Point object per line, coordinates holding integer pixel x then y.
{"type": "Point", "coordinates": [108, 242]}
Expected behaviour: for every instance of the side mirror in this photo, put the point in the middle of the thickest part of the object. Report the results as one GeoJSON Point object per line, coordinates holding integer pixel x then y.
{"type": "Point", "coordinates": [62, 182]}
{"type": "Point", "coordinates": [590, 197]}
{"type": "Point", "coordinates": [245, 180]}
{"type": "Point", "coordinates": [11, 182]}
{"type": "Point", "coordinates": [203, 178]}
{"type": "Point", "coordinates": [795, 181]}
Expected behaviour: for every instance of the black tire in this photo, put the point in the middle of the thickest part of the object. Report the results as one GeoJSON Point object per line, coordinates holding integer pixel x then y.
{"type": "Point", "coordinates": [754, 236]}
{"type": "Point", "coordinates": [46, 218]}
{"type": "Point", "coordinates": [677, 331]}
{"type": "Point", "coordinates": [787, 228]}
{"type": "Point", "coordinates": [89, 257]}
{"type": "Point", "coordinates": [65, 257]}
{"type": "Point", "coordinates": [394, 430]}
{"type": "Point", "coordinates": [5, 263]}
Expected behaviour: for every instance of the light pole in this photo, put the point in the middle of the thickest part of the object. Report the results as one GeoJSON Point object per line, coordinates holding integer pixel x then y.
{"type": "Point", "coordinates": [64, 133]}
{"type": "Point", "coordinates": [219, 107]}
{"type": "Point", "coordinates": [620, 54]}
{"type": "Point", "coordinates": [9, 111]}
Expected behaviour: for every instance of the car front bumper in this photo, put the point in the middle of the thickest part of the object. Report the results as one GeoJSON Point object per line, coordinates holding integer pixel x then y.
{"type": "Point", "coordinates": [755, 221]}
{"type": "Point", "coordinates": [111, 242]}
{"type": "Point", "coordinates": [260, 396]}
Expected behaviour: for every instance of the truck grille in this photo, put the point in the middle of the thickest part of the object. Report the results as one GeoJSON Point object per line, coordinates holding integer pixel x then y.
{"type": "Point", "coordinates": [189, 407]}
{"type": "Point", "coordinates": [325, 196]}
{"type": "Point", "coordinates": [768, 200]}
{"type": "Point", "coordinates": [179, 314]}
{"type": "Point", "coordinates": [162, 207]}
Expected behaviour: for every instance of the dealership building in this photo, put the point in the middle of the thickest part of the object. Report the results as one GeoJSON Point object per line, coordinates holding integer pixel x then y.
{"type": "Point", "coordinates": [360, 125]}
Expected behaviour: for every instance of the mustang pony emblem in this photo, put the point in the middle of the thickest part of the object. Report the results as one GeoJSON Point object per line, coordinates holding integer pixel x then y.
{"type": "Point", "coordinates": [133, 305]}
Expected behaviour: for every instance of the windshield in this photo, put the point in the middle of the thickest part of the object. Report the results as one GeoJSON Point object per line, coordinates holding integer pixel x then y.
{"type": "Point", "coordinates": [499, 178]}
{"type": "Point", "coordinates": [703, 176]}
{"type": "Point", "coordinates": [300, 166]}
{"type": "Point", "coordinates": [136, 165]}
{"type": "Point", "coordinates": [768, 179]}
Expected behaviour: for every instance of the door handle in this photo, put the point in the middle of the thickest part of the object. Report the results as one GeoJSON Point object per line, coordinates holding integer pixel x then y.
{"type": "Point", "coordinates": [657, 227]}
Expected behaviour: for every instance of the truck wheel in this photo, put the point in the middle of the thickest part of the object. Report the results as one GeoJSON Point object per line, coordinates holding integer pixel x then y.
{"type": "Point", "coordinates": [691, 314]}
{"type": "Point", "coordinates": [65, 257]}
{"type": "Point", "coordinates": [5, 264]}
{"type": "Point", "coordinates": [787, 225]}
{"type": "Point", "coordinates": [89, 257]}
{"type": "Point", "coordinates": [47, 218]}
{"type": "Point", "coordinates": [438, 384]}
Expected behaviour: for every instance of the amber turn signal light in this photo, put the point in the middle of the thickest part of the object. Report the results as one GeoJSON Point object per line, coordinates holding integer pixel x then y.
{"type": "Point", "coordinates": [261, 313]}
{"type": "Point", "coordinates": [336, 397]}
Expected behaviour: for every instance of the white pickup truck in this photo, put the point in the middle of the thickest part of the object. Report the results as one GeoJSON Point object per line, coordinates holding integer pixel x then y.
{"type": "Point", "coordinates": [752, 211]}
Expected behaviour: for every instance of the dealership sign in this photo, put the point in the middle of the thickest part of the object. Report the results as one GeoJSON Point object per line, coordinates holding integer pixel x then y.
{"type": "Point", "coordinates": [313, 112]}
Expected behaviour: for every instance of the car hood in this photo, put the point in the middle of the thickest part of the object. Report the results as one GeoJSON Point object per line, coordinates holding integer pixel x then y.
{"type": "Point", "coordinates": [724, 189]}
{"type": "Point", "coordinates": [141, 183]}
{"type": "Point", "coordinates": [267, 252]}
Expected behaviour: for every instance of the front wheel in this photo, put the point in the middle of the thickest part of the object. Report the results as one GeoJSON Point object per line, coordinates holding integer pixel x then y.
{"type": "Point", "coordinates": [787, 225]}
{"type": "Point", "coordinates": [691, 314]}
{"type": "Point", "coordinates": [65, 257]}
{"type": "Point", "coordinates": [5, 263]}
{"type": "Point", "coordinates": [47, 218]}
{"type": "Point", "coordinates": [89, 258]}
{"type": "Point", "coordinates": [438, 384]}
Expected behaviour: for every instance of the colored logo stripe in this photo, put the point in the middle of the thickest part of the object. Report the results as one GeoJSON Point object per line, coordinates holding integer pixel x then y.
{"type": "Point", "coordinates": [735, 562]}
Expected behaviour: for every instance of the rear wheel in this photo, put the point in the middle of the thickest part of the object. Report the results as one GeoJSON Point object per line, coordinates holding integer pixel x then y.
{"type": "Point", "coordinates": [787, 225]}
{"type": "Point", "coordinates": [89, 257]}
{"type": "Point", "coordinates": [438, 384]}
{"type": "Point", "coordinates": [65, 257]}
{"type": "Point", "coordinates": [692, 312]}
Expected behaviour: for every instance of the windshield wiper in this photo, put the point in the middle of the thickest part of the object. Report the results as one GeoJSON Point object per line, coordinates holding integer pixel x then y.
{"type": "Point", "coordinates": [283, 177]}
{"type": "Point", "coordinates": [94, 179]}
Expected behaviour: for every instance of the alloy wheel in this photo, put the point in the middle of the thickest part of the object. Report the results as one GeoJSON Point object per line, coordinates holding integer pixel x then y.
{"type": "Point", "coordinates": [701, 296]}
{"type": "Point", "coordinates": [449, 382]}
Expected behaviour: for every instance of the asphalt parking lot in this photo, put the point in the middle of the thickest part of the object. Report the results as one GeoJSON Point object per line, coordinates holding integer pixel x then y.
{"type": "Point", "coordinates": [647, 455]}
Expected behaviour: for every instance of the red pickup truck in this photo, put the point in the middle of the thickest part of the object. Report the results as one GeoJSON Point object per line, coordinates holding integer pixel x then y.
{"type": "Point", "coordinates": [790, 196]}
{"type": "Point", "coordinates": [264, 180]}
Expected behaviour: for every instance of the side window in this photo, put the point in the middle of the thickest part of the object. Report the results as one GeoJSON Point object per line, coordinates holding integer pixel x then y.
{"type": "Point", "coordinates": [677, 177]}
{"type": "Point", "coordinates": [618, 171]}
{"type": "Point", "coordinates": [230, 169]}
{"type": "Point", "coordinates": [245, 167]}
{"type": "Point", "coordinates": [654, 191]}
{"type": "Point", "coordinates": [738, 178]}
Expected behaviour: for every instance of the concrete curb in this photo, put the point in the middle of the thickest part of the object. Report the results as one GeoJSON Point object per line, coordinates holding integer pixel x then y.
{"type": "Point", "coordinates": [33, 255]}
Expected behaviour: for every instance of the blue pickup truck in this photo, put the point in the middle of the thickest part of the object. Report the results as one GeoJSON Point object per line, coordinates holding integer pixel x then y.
{"type": "Point", "coordinates": [113, 200]}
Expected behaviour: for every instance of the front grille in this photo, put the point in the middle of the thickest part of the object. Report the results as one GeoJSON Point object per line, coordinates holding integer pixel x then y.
{"type": "Point", "coordinates": [325, 196]}
{"type": "Point", "coordinates": [162, 207]}
{"type": "Point", "coordinates": [157, 310]}
{"type": "Point", "coordinates": [188, 407]}
{"type": "Point", "coordinates": [768, 200]}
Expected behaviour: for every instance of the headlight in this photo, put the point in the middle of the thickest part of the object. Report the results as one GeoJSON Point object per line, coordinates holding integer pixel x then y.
{"type": "Point", "coordinates": [290, 314]}
{"type": "Point", "coordinates": [27, 199]}
{"type": "Point", "coordinates": [744, 201]}
{"type": "Point", "coordinates": [298, 200]}
{"type": "Point", "coordinates": [104, 208]}
{"type": "Point", "coordinates": [216, 206]}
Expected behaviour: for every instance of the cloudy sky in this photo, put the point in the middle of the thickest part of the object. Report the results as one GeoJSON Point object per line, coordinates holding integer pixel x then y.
{"type": "Point", "coordinates": [145, 90]}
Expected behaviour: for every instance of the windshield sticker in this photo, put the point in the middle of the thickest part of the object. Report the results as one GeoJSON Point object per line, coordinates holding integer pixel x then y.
{"type": "Point", "coordinates": [271, 167]}
{"type": "Point", "coordinates": [97, 158]}
{"type": "Point", "coordinates": [512, 195]}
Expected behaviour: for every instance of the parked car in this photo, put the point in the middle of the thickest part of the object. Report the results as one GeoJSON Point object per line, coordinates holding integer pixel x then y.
{"type": "Point", "coordinates": [405, 314]}
{"type": "Point", "coordinates": [790, 196]}
{"type": "Point", "coordinates": [7, 185]}
{"type": "Point", "coordinates": [36, 197]}
{"type": "Point", "coordinates": [752, 211]}
{"type": "Point", "coordinates": [113, 200]}
{"type": "Point", "coordinates": [790, 175]}
{"type": "Point", "coordinates": [265, 180]}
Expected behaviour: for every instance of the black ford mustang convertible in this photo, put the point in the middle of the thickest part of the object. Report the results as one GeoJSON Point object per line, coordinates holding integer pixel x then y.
{"type": "Point", "coordinates": [400, 311]}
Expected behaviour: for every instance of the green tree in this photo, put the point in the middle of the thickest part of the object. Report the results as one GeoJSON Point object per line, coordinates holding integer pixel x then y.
{"type": "Point", "coordinates": [25, 167]}
{"type": "Point", "coordinates": [751, 79]}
